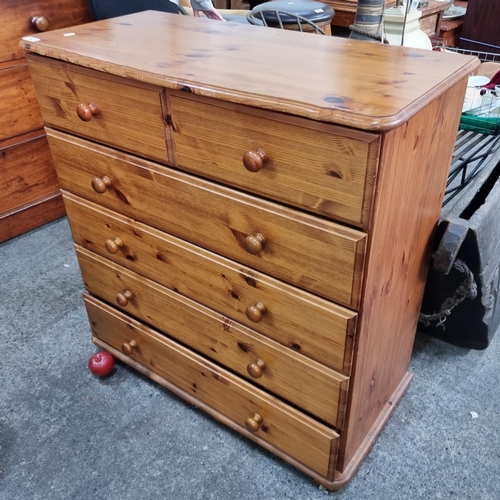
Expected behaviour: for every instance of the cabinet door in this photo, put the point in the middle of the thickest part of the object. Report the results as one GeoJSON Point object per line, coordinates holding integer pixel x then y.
{"type": "Point", "coordinates": [480, 31]}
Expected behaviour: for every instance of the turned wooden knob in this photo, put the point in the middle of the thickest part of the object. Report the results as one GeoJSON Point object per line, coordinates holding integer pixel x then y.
{"type": "Point", "coordinates": [255, 369]}
{"type": "Point", "coordinates": [254, 422]}
{"type": "Point", "coordinates": [86, 111]}
{"type": "Point", "coordinates": [112, 246]}
{"type": "Point", "coordinates": [99, 185]}
{"type": "Point", "coordinates": [255, 312]}
{"type": "Point", "coordinates": [254, 243]}
{"type": "Point", "coordinates": [40, 23]}
{"type": "Point", "coordinates": [128, 347]}
{"type": "Point", "coordinates": [123, 298]}
{"type": "Point", "coordinates": [254, 160]}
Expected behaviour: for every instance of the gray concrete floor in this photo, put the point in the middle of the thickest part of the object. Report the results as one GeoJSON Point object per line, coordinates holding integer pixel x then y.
{"type": "Point", "coordinates": [65, 434]}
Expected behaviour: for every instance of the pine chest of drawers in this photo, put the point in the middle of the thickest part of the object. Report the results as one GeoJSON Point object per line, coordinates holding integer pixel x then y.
{"type": "Point", "coordinates": [29, 190]}
{"type": "Point", "coordinates": [253, 226]}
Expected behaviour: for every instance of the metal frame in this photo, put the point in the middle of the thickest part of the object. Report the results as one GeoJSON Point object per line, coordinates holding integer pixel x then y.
{"type": "Point", "coordinates": [472, 149]}
{"type": "Point", "coordinates": [258, 19]}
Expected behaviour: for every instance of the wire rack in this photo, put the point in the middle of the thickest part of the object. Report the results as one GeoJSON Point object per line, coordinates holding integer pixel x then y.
{"type": "Point", "coordinates": [478, 137]}
{"type": "Point", "coordinates": [482, 56]}
{"type": "Point", "coordinates": [481, 109]}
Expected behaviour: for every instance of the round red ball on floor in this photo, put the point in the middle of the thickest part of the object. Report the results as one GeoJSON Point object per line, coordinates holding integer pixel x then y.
{"type": "Point", "coordinates": [101, 363]}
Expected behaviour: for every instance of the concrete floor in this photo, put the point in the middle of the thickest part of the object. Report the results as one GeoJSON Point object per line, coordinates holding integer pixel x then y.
{"type": "Point", "coordinates": [65, 434]}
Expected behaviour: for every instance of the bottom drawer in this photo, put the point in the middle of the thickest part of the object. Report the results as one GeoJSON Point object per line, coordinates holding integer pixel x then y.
{"type": "Point", "coordinates": [266, 419]}
{"type": "Point", "coordinates": [27, 172]}
{"type": "Point", "coordinates": [308, 385]}
{"type": "Point", "coordinates": [19, 111]}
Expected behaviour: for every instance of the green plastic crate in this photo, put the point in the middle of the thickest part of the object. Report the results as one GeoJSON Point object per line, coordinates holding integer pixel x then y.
{"type": "Point", "coordinates": [485, 125]}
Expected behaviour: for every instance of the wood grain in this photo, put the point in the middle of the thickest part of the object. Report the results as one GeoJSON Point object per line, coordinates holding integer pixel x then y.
{"type": "Point", "coordinates": [407, 100]}
{"type": "Point", "coordinates": [413, 171]}
{"type": "Point", "coordinates": [217, 218]}
{"type": "Point", "coordinates": [29, 190]}
{"type": "Point", "coordinates": [17, 15]}
{"type": "Point", "coordinates": [326, 481]}
{"type": "Point", "coordinates": [288, 429]}
{"type": "Point", "coordinates": [195, 55]}
{"type": "Point", "coordinates": [31, 215]}
{"type": "Point", "coordinates": [19, 111]}
{"type": "Point", "coordinates": [26, 172]}
{"type": "Point", "coordinates": [129, 116]}
{"type": "Point", "coordinates": [305, 383]}
{"type": "Point", "coordinates": [326, 170]}
{"type": "Point", "coordinates": [480, 30]}
{"type": "Point", "coordinates": [312, 326]}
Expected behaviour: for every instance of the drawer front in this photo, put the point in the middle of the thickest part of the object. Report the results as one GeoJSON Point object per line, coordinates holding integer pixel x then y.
{"type": "Point", "coordinates": [19, 111]}
{"type": "Point", "coordinates": [127, 115]}
{"type": "Point", "coordinates": [27, 173]}
{"type": "Point", "coordinates": [301, 321]}
{"type": "Point", "coordinates": [314, 254]}
{"type": "Point", "coordinates": [295, 434]}
{"type": "Point", "coordinates": [27, 17]}
{"type": "Point", "coordinates": [305, 383]}
{"type": "Point", "coordinates": [321, 168]}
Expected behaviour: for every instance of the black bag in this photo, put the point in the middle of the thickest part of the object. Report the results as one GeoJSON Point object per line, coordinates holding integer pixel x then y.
{"type": "Point", "coordinates": [104, 9]}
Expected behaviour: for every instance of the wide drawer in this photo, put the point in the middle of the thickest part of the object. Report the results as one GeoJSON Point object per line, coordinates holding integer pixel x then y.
{"type": "Point", "coordinates": [29, 17]}
{"type": "Point", "coordinates": [322, 168]}
{"type": "Point", "coordinates": [124, 114]}
{"type": "Point", "coordinates": [297, 379]}
{"type": "Point", "coordinates": [317, 255]}
{"type": "Point", "coordinates": [299, 320]}
{"type": "Point", "coordinates": [267, 419]}
{"type": "Point", "coordinates": [19, 111]}
{"type": "Point", "coordinates": [27, 172]}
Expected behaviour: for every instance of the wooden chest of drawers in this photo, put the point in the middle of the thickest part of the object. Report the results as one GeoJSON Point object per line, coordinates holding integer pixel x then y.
{"type": "Point", "coordinates": [256, 245]}
{"type": "Point", "coordinates": [29, 190]}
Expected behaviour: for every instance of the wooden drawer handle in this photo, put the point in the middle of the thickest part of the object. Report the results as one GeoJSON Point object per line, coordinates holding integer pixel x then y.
{"type": "Point", "coordinates": [99, 185]}
{"type": "Point", "coordinates": [254, 161]}
{"type": "Point", "coordinates": [112, 246]}
{"type": "Point", "coordinates": [255, 312]}
{"type": "Point", "coordinates": [86, 111]}
{"type": "Point", "coordinates": [128, 348]}
{"type": "Point", "coordinates": [254, 422]}
{"type": "Point", "coordinates": [255, 243]}
{"type": "Point", "coordinates": [256, 369]}
{"type": "Point", "coordinates": [40, 23]}
{"type": "Point", "coordinates": [122, 299]}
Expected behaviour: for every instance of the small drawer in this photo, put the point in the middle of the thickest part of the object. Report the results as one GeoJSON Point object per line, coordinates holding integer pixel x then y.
{"type": "Point", "coordinates": [310, 386]}
{"type": "Point", "coordinates": [27, 172]}
{"type": "Point", "coordinates": [27, 17]}
{"type": "Point", "coordinates": [280, 241]}
{"type": "Point", "coordinates": [126, 115]}
{"type": "Point", "coordinates": [310, 325]}
{"type": "Point", "coordinates": [19, 111]}
{"type": "Point", "coordinates": [322, 168]}
{"type": "Point", "coordinates": [266, 418]}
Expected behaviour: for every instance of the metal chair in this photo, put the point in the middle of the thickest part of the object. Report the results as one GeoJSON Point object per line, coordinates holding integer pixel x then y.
{"type": "Point", "coordinates": [298, 15]}
{"type": "Point", "coordinates": [284, 20]}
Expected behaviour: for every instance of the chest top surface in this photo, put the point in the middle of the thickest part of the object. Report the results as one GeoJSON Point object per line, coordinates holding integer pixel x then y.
{"type": "Point", "coordinates": [360, 84]}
